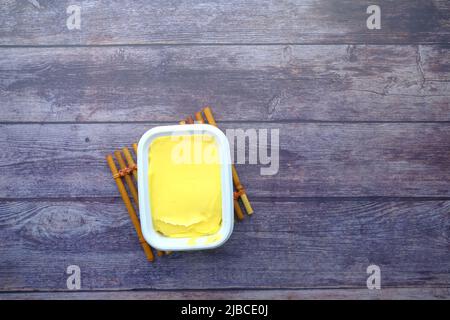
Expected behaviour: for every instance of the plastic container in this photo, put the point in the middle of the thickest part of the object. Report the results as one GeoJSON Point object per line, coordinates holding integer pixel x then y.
{"type": "Point", "coordinates": [158, 240]}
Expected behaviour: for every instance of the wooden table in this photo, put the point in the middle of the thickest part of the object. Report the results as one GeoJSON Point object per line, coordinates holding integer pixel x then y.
{"type": "Point", "coordinates": [364, 119]}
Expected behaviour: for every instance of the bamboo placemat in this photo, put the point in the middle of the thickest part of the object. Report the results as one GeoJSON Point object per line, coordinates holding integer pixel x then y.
{"type": "Point", "coordinates": [128, 174]}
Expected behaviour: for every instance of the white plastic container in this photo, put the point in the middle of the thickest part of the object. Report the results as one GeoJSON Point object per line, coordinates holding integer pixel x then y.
{"type": "Point", "coordinates": [158, 240]}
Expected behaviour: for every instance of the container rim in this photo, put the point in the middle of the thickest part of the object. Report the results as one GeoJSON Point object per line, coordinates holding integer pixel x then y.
{"type": "Point", "coordinates": [154, 238]}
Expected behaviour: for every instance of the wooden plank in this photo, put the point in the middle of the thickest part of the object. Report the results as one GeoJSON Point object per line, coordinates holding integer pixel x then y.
{"type": "Point", "coordinates": [316, 159]}
{"type": "Point", "coordinates": [264, 83]}
{"type": "Point", "coordinates": [308, 294]}
{"type": "Point", "coordinates": [253, 21]}
{"type": "Point", "coordinates": [308, 244]}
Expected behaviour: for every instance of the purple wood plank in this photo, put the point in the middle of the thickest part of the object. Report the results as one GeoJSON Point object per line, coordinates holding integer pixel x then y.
{"type": "Point", "coordinates": [233, 21]}
{"type": "Point", "coordinates": [242, 83]}
{"type": "Point", "coordinates": [316, 160]}
{"type": "Point", "coordinates": [308, 244]}
{"type": "Point", "coordinates": [309, 294]}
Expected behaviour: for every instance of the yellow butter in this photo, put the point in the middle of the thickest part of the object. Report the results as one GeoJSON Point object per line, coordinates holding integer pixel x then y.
{"type": "Point", "coordinates": [185, 185]}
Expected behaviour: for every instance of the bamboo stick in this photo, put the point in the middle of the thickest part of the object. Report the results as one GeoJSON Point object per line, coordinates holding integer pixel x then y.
{"type": "Point", "coordinates": [127, 177]}
{"type": "Point", "coordinates": [130, 209]}
{"type": "Point", "coordinates": [199, 117]}
{"type": "Point", "coordinates": [130, 161]}
{"type": "Point", "coordinates": [236, 181]}
{"type": "Point", "coordinates": [209, 116]}
{"type": "Point", "coordinates": [240, 188]}
{"type": "Point", "coordinates": [238, 210]}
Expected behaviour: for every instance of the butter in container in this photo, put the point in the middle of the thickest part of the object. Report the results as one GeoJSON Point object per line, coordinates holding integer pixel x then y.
{"type": "Point", "coordinates": [185, 187]}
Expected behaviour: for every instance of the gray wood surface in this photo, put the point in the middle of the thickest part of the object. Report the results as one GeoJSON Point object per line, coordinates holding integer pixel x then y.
{"type": "Point", "coordinates": [287, 294]}
{"type": "Point", "coordinates": [296, 245]}
{"type": "Point", "coordinates": [233, 21]}
{"type": "Point", "coordinates": [265, 83]}
{"type": "Point", "coordinates": [364, 120]}
{"type": "Point", "coordinates": [316, 159]}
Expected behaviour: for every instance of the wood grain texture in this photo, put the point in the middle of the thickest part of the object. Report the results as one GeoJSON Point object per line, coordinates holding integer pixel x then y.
{"type": "Point", "coordinates": [307, 244]}
{"type": "Point", "coordinates": [263, 83]}
{"type": "Point", "coordinates": [273, 294]}
{"type": "Point", "coordinates": [316, 160]}
{"type": "Point", "coordinates": [364, 119]}
{"type": "Point", "coordinates": [193, 21]}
